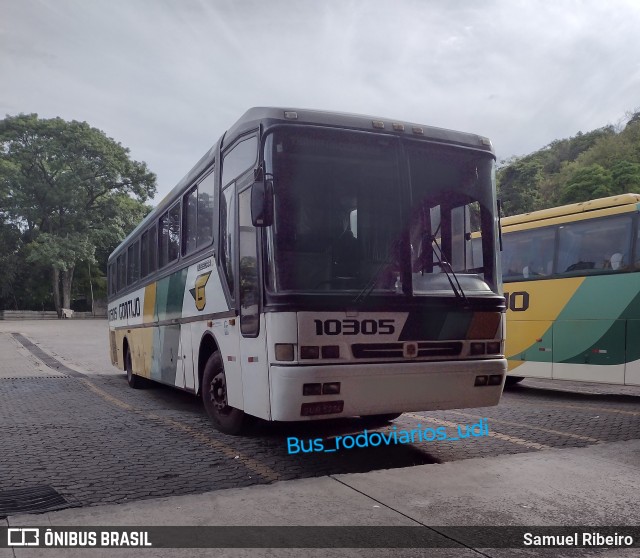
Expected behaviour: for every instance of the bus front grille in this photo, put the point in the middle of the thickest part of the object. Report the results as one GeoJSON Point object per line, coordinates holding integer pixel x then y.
{"type": "Point", "coordinates": [395, 350]}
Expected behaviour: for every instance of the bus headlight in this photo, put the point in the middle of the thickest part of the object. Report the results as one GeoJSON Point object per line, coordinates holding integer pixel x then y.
{"type": "Point", "coordinates": [284, 351]}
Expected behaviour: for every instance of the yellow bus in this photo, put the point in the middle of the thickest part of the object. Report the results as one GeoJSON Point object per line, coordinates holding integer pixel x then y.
{"type": "Point", "coordinates": [573, 292]}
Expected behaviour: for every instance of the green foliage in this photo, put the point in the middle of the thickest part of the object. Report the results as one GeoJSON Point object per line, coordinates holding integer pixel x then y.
{"type": "Point", "coordinates": [61, 252]}
{"type": "Point", "coordinates": [587, 183]}
{"type": "Point", "coordinates": [69, 192]}
{"type": "Point", "coordinates": [596, 164]}
{"type": "Point", "coordinates": [519, 184]}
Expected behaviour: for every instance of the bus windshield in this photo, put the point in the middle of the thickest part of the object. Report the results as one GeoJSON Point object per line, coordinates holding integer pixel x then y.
{"type": "Point", "coordinates": [348, 217]}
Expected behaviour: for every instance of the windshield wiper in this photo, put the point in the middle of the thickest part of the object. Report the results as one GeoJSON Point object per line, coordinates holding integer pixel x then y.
{"type": "Point", "coordinates": [448, 270]}
{"type": "Point", "coordinates": [368, 288]}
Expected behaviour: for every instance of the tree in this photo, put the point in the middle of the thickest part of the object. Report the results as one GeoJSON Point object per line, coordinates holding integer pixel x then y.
{"type": "Point", "coordinates": [588, 183]}
{"type": "Point", "coordinates": [626, 177]}
{"type": "Point", "coordinates": [518, 183]}
{"type": "Point", "coordinates": [63, 181]}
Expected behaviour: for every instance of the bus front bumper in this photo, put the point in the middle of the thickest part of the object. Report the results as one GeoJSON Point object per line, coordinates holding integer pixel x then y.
{"type": "Point", "coordinates": [372, 389]}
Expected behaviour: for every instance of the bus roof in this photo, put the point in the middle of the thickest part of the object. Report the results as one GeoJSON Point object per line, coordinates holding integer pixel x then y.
{"type": "Point", "coordinates": [573, 209]}
{"type": "Point", "coordinates": [250, 119]}
{"type": "Point", "coordinates": [268, 116]}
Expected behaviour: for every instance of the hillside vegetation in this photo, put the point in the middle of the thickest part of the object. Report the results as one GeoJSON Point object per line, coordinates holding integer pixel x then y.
{"type": "Point", "coordinates": [603, 162]}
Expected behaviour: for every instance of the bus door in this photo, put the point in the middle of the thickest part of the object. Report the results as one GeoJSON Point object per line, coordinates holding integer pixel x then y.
{"type": "Point", "coordinates": [253, 348]}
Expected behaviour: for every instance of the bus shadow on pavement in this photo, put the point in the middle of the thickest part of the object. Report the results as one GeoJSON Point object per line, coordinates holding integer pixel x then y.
{"type": "Point", "coordinates": [566, 392]}
{"type": "Point", "coordinates": [267, 441]}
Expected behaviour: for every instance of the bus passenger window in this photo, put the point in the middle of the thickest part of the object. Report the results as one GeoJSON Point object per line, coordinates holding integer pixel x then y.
{"type": "Point", "coordinates": [122, 272]}
{"type": "Point", "coordinates": [590, 246]}
{"type": "Point", "coordinates": [144, 254]}
{"type": "Point", "coordinates": [174, 233]}
{"type": "Point", "coordinates": [153, 248]}
{"type": "Point", "coordinates": [163, 240]}
{"type": "Point", "coordinates": [133, 264]}
{"type": "Point", "coordinates": [205, 211]}
{"type": "Point", "coordinates": [190, 221]}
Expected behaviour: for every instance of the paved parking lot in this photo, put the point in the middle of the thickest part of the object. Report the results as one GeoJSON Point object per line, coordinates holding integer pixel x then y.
{"type": "Point", "coordinates": [78, 428]}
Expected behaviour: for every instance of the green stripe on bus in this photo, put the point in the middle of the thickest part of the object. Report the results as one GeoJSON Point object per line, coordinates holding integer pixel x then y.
{"type": "Point", "coordinates": [605, 297]}
{"type": "Point", "coordinates": [169, 296]}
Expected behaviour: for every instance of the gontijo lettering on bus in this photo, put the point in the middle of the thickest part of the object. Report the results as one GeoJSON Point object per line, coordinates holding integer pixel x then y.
{"type": "Point", "coordinates": [127, 309]}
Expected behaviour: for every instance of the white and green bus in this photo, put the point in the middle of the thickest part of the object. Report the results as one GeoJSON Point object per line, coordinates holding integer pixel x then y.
{"type": "Point", "coordinates": [573, 292]}
{"type": "Point", "coordinates": [316, 265]}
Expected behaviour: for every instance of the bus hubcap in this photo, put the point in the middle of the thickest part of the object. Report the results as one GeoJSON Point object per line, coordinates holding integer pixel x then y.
{"type": "Point", "coordinates": [219, 392]}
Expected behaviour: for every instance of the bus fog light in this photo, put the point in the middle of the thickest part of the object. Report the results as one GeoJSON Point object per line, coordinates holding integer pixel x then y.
{"type": "Point", "coordinates": [481, 381]}
{"type": "Point", "coordinates": [495, 379]}
{"type": "Point", "coordinates": [476, 349]}
{"type": "Point", "coordinates": [332, 388]}
{"type": "Point", "coordinates": [331, 351]}
{"type": "Point", "coordinates": [309, 351]}
{"type": "Point", "coordinates": [284, 351]}
{"type": "Point", "coordinates": [311, 389]}
{"type": "Point", "coordinates": [493, 348]}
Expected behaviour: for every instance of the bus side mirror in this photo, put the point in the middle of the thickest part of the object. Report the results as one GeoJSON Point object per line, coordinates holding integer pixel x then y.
{"type": "Point", "coordinates": [262, 203]}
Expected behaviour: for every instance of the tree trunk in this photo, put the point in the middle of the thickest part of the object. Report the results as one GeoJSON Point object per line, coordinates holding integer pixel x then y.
{"type": "Point", "coordinates": [55, 284]}
{"type": "Point", "coordinates": [67, 279]}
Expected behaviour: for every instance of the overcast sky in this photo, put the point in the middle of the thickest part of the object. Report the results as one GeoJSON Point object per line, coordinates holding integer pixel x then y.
{"type": "Point", "coordinates": [167, 78]}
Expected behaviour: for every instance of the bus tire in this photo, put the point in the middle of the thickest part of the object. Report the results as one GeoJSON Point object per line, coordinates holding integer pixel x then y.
{"type": "Point", "coordinates": [134, 381]}
{"type": "Point", "coordinates": [225, 418]}
{"type": "Point", "coordinates": [512, 380]}
{"type": "Point", "coordinates": [374, 420]}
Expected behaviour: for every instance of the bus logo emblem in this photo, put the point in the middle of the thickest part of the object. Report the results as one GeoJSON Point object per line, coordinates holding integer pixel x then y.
{"type": "Point", "coordinates": [198, 292]}
{"type": "Point", "coordinates": [410, 350]}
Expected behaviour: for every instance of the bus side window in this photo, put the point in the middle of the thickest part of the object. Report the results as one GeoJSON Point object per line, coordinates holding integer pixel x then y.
{"type": "Point", "coordinates": [239, 159]}
{"type": "Point", "coordinates": [205, 211]}
{"type": "Point", "coordinates": [133, 263]}
{"type": "Point", "coordinates": [590, 246]}
{"type": "Point", "coordinates": [227, 235]}
{"type": "Point", "coordinates": [121, 272]}
{"type": "Point", "coordinates": [249, 289]}
{"type": "Point", "coordinates": [189, 221]}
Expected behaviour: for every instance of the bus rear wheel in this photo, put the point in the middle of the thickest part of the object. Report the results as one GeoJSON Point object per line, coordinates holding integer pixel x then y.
{"type": "Point", "coordinates": [134, 381]}
{"type": "Point", "coordinates": [225, 418]}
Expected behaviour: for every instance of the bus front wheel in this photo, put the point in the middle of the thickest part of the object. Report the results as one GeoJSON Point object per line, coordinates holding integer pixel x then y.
{"type": "Point", "coordinates": [225, 418]}
{"type": "Point", "coordinates": [134, 381]}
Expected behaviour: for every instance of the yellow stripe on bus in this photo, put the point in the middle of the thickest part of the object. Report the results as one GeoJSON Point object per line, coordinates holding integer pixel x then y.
{"type": "Point", "coordinates": [546, 300]}
{"type": "Point", "coordinates": [149, 303]}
